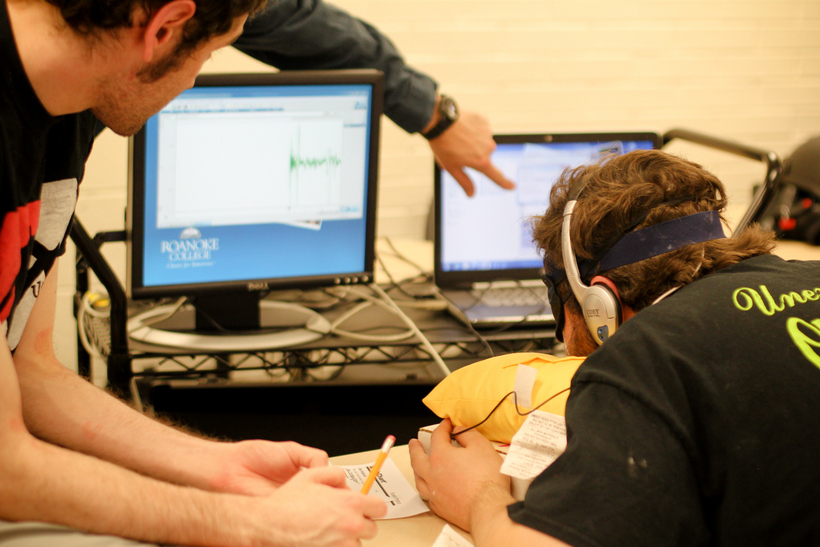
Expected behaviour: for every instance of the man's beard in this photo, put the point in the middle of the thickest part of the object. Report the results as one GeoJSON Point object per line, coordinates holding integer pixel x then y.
{"type": "Point", "coordinates": [125, 110]}
{"type": "Point", "coordinates": [580, 343]}
{"type": "Point", "coordinates": [159, 68]}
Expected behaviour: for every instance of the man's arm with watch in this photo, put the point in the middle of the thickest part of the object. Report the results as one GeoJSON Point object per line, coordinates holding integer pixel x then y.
{"type": "Point", "coordinates": [460, 140]}
{"type": "Point", "coordinates": [312, 34]}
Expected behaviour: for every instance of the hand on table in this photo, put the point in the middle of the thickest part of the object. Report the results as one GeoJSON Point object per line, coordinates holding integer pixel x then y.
{"type": "Point", "coordinates": [468, 143]}
{"type": "Point", "coordinates": [456, 481]}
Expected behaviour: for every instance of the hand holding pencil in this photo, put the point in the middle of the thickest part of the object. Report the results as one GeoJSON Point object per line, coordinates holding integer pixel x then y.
{"type": "Point", "coordinates": [374, 471]}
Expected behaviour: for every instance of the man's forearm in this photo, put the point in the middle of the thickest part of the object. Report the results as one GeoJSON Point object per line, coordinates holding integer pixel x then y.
{"type": "Point", "coordinates": [491, 525]}
{"type": "Point", "coordinates": [62, 408]}
{"type": "Point", "coordinates": [92, 495]}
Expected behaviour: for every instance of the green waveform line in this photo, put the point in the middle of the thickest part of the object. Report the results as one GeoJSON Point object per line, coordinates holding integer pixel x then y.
{"type": "Point", "coordinates": [298, 162]}
{"type": "Point", "coordinates": [316, 162]}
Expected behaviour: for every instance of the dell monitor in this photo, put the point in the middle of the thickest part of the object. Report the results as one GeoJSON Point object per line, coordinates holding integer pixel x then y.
{"type": "Point", "coordinates": [248, 183]}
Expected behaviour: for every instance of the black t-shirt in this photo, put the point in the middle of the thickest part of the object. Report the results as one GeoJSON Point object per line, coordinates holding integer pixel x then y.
{"type": "Point", "coordinates": [42, 160]}
{"type": "Point", "coordinates": [698, 422]}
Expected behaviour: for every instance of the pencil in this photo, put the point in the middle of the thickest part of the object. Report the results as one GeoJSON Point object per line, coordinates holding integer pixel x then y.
{"type": "Point", "coordinates": [374, 471]}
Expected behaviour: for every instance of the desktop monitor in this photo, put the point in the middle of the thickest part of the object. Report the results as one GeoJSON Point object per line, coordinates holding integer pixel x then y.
{"type": "Point", "coordinates": [248, 183]}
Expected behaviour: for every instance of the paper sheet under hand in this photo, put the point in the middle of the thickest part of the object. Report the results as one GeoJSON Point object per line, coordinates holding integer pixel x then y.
{"type": "Point", "coordinates": [451, 538]}
{"type": "Point", "coordinates": [538, 443]}
{"type": "Point", "coordinates": [391, 486]}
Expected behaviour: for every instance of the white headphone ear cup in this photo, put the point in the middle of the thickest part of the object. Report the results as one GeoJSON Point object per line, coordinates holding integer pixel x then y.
{"type": "Point", "coordinates": [601, 311]}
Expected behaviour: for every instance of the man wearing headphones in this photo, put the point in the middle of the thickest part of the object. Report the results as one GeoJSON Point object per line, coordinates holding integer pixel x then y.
{"type": "Point", "coordinates": [693, 419]}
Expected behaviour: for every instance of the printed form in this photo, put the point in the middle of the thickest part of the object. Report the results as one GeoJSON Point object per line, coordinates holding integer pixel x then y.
{"type": "Point", "coordinates": [401, 498]}
{"type": "Point", "coordinates": [538, 443]}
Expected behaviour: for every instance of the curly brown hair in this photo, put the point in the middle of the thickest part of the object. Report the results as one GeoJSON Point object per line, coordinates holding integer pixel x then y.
{"type": "Point", "coordinates": [620, 189]}
{"type": "Point", "coordinates": [213, 17]}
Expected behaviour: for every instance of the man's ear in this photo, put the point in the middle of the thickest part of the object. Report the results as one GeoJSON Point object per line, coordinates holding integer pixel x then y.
{"type": "Point", "coordinates": [162, 31]}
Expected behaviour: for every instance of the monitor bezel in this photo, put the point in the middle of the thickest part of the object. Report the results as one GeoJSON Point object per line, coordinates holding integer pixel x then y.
{"type": "Point", "coordinates": [135, 209]}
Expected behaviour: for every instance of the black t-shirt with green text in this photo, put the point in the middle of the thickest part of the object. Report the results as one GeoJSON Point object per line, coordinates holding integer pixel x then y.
{"type": "Point", "coordinates": [698, 422]}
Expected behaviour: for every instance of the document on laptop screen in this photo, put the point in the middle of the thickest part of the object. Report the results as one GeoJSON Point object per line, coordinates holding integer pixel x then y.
{"type": "Point", "coordinates": [491, 230]}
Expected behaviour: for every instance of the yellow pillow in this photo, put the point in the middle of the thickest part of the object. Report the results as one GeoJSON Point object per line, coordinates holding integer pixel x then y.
{"type": "Point", "coordinates": [470, 393]}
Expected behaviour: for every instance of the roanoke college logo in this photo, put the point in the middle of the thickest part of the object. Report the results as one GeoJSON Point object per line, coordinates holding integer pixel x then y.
{"type": "Point", "coordinates": [190, 246]}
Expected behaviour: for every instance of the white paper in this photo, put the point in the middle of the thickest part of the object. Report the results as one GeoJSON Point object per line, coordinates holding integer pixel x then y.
{"type": "Point", "coordinates": [450, 538]}
{"type": "Point", "coordinates": [525, 377]}
{"type": "Point", "coordinates": [538, 443]}
{"type": "Point", "coordinates": [390, 485]}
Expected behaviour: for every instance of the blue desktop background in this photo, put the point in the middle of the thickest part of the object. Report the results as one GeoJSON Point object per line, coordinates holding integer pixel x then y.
{"type": "Point", "coordinates": [253, 251]}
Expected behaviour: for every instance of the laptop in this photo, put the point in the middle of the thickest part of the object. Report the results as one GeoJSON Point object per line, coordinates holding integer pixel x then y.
{"type": "Point", "coordinates": [486, 266]}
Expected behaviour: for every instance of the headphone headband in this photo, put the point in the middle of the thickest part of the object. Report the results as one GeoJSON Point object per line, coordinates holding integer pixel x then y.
{"type": "Point", "coordinates": [600, 306]}
{"type": "Point", "coordinates": [647, 243]}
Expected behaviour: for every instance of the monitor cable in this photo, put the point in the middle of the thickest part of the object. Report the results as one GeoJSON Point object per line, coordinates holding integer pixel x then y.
{"type": "Point", "coordinates": [445, 370]}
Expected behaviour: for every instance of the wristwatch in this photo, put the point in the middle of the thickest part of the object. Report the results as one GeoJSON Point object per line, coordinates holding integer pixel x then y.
{"type": "Point", "coordinates": [448, 111]}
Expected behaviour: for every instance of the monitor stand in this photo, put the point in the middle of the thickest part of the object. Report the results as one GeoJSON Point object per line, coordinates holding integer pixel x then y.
{"type": "Point", "coordinates": [268, 325]}
{"type": "Point", "coordinates": [222, 312]}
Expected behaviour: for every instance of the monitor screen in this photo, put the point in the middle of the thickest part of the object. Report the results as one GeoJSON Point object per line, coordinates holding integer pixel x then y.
{"type": "Point", "coordinates": [256, 182]}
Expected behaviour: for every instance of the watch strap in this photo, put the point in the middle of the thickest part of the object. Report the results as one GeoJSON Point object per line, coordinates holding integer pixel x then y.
{"type": "Point", "coordinates": [448, 115]}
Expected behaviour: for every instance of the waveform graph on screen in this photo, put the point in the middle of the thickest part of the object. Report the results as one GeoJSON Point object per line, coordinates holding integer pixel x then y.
{"type": "Point", "coordinates": [316, 164]}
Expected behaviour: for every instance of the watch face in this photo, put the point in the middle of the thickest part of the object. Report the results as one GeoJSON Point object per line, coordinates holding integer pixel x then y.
{"type": "Point", "coordinates": [449, 108]}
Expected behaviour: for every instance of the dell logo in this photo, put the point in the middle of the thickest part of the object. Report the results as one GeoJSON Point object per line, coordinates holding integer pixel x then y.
{"type": "Point", "coordinates": [257, 286]}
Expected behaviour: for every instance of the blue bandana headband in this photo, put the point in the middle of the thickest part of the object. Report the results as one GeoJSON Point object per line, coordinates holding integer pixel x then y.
{"type": "Point", "coordinates": [648, 242]}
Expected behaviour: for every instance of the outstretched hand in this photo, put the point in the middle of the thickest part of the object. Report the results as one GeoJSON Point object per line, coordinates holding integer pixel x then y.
{"type": "Point", "coordinates": [258, 468]}
{"type": "Point", "coordinates": [468, 143]}
{"type": "Point", "coordinates": [456, 480]}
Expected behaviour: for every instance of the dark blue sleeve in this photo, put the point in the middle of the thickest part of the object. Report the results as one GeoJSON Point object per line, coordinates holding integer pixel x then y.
{"type": "Point", "coordinates": [310, 34]}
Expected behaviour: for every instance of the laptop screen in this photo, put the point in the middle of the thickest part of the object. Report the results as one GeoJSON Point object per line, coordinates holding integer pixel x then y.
{"type": "Point", "coordinates": [488, 237]}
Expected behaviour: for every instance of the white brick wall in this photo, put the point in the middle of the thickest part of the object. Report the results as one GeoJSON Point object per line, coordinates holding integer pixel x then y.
{"type": "Point", "coordinates": [745, 70]}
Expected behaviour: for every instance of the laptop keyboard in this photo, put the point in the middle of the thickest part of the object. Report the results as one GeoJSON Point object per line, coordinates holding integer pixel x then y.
{"type": "Point", "coordinates": [511, 296]}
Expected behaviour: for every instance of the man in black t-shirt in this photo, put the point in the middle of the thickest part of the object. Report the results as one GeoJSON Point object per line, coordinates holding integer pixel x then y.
{"type": "Point", "coordinates": [74, 459]}
{"type": "Point", "coordinates": [694, 418]}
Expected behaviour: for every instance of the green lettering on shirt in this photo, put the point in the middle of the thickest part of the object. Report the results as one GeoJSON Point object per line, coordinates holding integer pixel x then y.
{"type": "Point", "coordinates": [746, 298]}
{"type": "Point", "coordinates": [806, 336]}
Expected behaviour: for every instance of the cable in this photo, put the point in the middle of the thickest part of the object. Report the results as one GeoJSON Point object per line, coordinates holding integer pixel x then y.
{"type": "Point", "coordinates": [135, 395]}
{"type": "Point", "coordinates": [87, 309]}
{"type": "Point", "coordinates": [334, 327]}
{"type": "Point", "coordinates": [369, 301]}
{"type": "Point", "coordinates": [401, 256]}
{"type": "Point", "coordinates": [314, 327]}
{"type": "Point", "coordinates": [470, 328]}
{"type": "Point", "coordinates": [515, 403]}
{"type": "Point", "coordinates": [430, 304]}
{"type": "Point", "coordinates": [98, 299]}
{"type": "Point", "coordinates": [424, 341]}
{"type": "Point", "coordinates": [171, 308]}
{"type": "Point", "coordinates": [422, 277]}
{"type": "Point", "coordinates": [398, 284]}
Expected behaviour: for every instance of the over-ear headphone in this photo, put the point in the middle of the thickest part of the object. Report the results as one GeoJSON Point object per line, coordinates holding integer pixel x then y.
{"type": "Point", "coordinates": [599, 305]}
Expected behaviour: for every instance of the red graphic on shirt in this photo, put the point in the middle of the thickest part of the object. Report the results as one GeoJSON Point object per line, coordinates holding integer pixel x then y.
{"type": "Point", "coordinates": [17, 230]}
